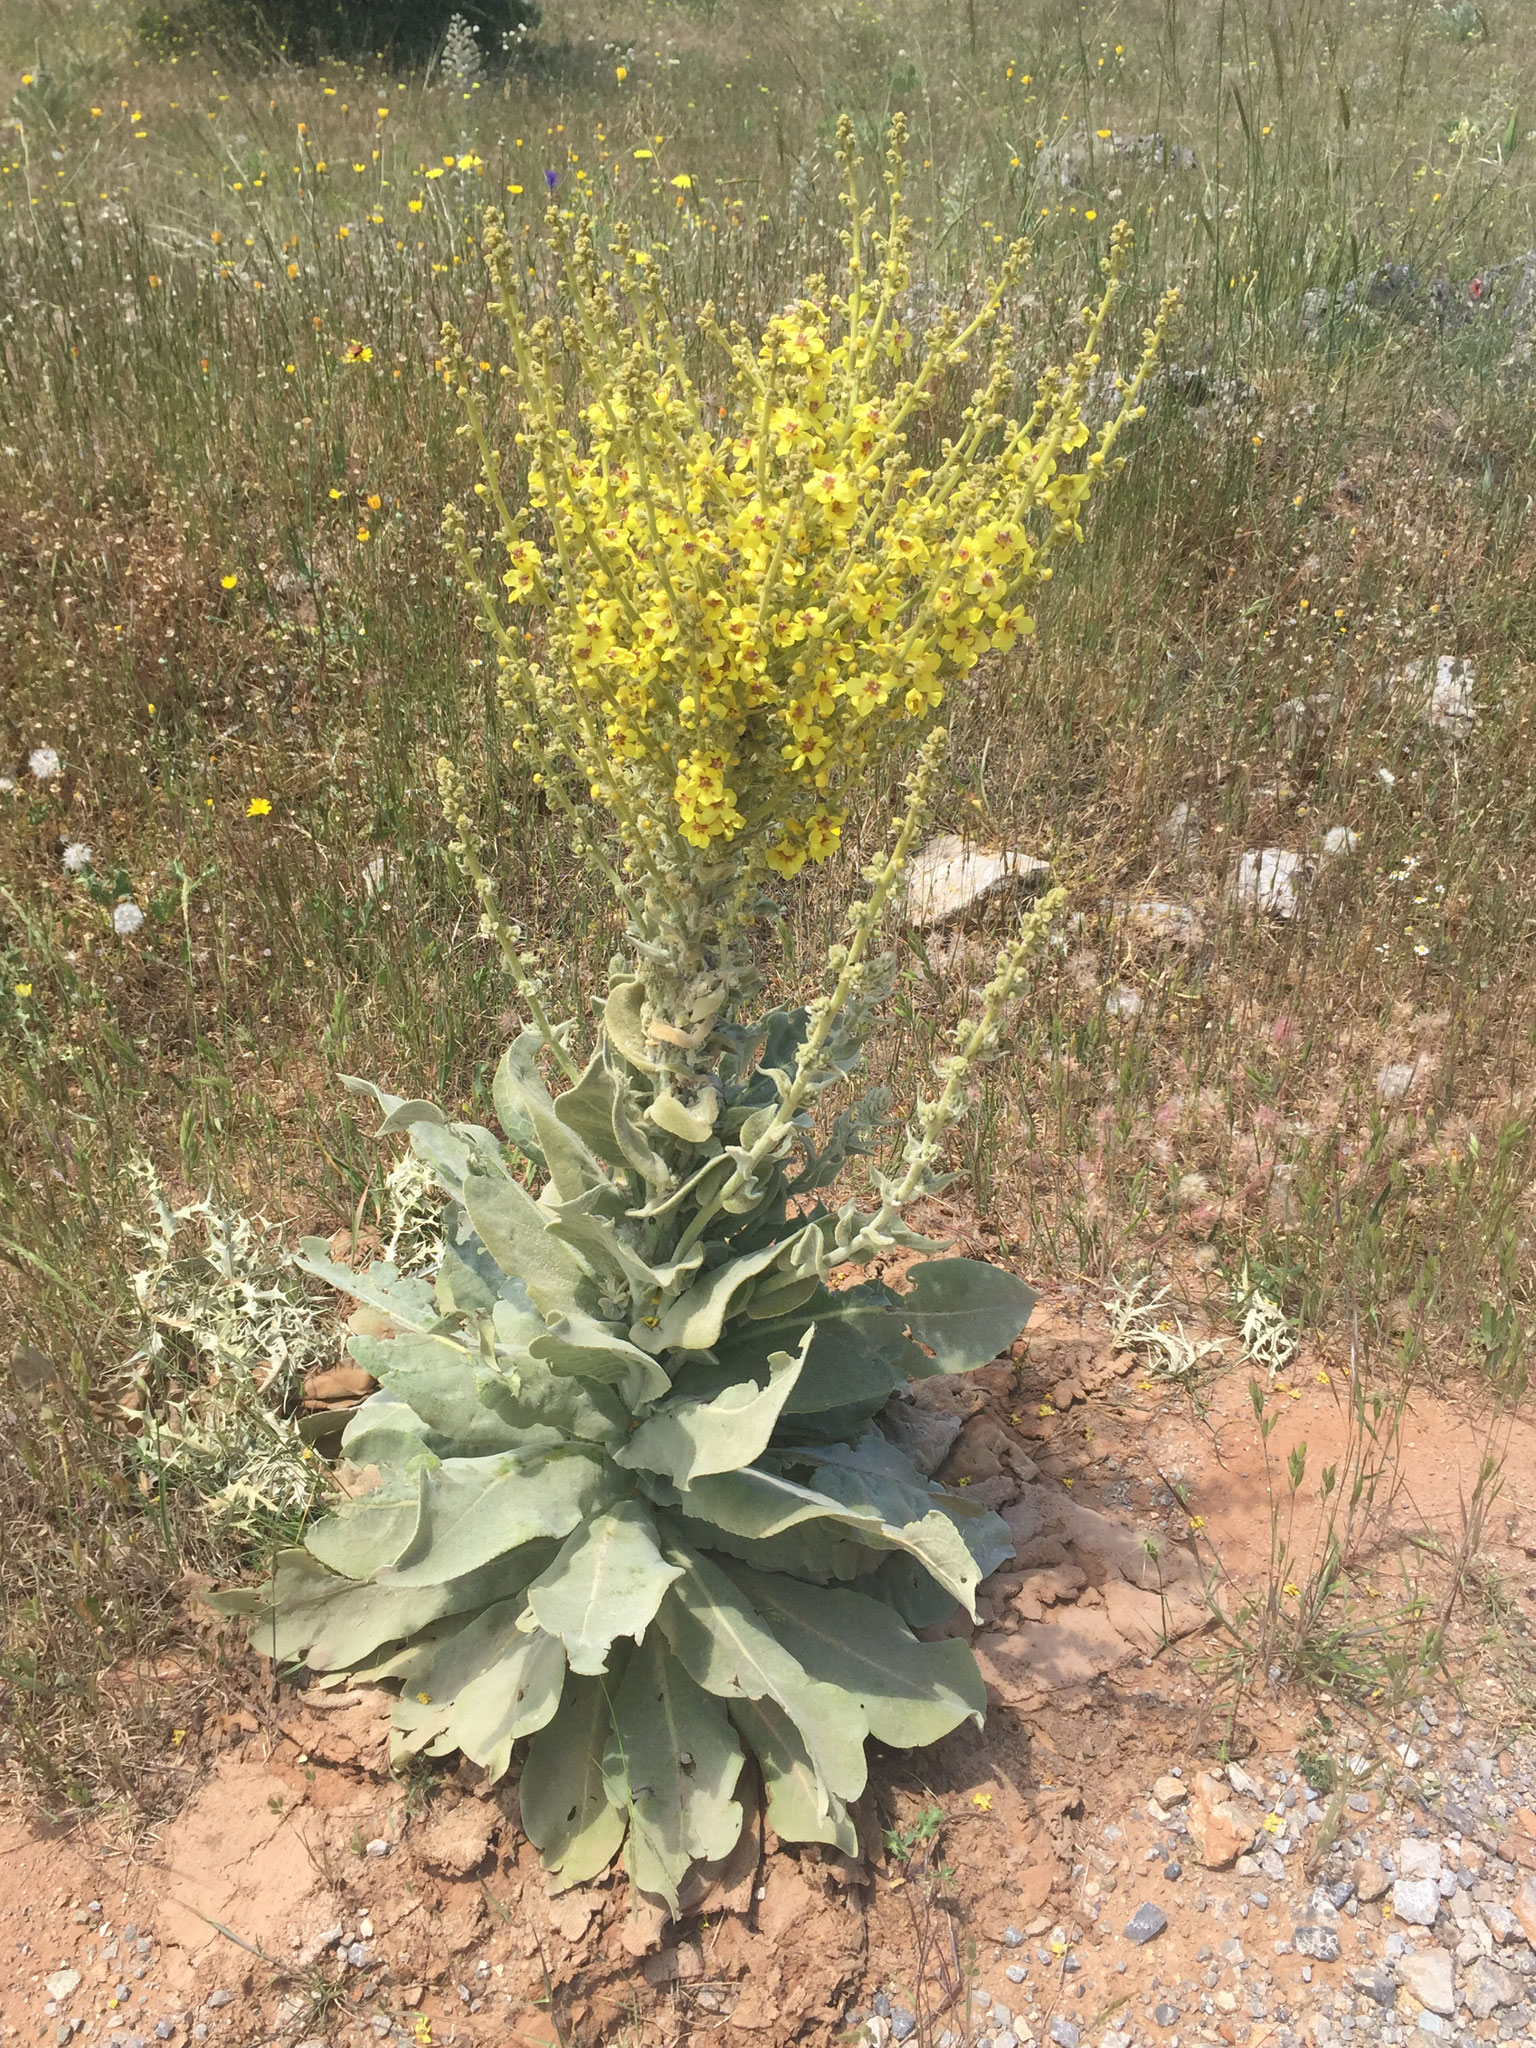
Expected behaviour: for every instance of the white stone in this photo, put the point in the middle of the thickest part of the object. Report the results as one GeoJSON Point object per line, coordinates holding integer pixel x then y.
{"type": "Point", "coordinates": [1416, 1900]}
{"type": "Point", "coordinates": [1181, 829]}
{"type": "Point", "coordinates": [1339, 842]}
{"type": "Point", "coordinates": [949, 877]}
{"type": "Point", "coordinates": [1430, 1976]}
{"type": "Point", "coordinates": [62, 1984]}
{"type": "Point", "coordinates": [1417, 1858]}
{"type": "Point", "coordinates": [1446, 697]}
{"type": "Point", "coordinates": [1269, 882]}
{"type": "Point", "coordinates": [1178, 924]}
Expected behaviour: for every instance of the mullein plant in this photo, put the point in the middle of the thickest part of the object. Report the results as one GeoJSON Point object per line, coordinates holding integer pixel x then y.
{"type": "Point", "coordinates": [634, 1504]}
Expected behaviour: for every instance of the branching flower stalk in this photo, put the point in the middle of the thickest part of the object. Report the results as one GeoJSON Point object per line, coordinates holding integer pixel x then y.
{"type": "Point", "coordinates": [635, 1507]}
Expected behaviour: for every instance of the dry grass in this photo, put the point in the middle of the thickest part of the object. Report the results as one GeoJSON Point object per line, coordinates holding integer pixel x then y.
{"type": "Point", "coordinates": [1306, 512]}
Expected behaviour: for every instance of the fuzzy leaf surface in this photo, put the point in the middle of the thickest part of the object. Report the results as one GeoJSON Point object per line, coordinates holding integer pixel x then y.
{"type": "Point", "coordinates": [965, 1311]}
{"type": "Point", "coordinates": [607, 1580]}
{"type": "Point", "coordinates": [673, 1760]}
{"type": "Point", "coordinates": [910, 1693]}
{"type": "Point", "coordinates": [515, 1231]}
{"type": "Point", "coordinates": [798, 1809]}
{"type": "Point", "coordinates": [476, 1509]}
{"type": "Point", "coordinates": [688, 1439]}
{"type": "Point", "coordinates": [566, 1811]}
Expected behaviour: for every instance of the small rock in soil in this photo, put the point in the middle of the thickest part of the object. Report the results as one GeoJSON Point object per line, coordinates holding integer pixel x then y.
{"type": "Point", "coordinates": [1428, 1974]}
{"type": "Point", "coordinates": [1169, 1792]}
{"type": "Point", "coordinates": [1416, 1900]}
{"type": "Point", "coordinates": [1379, 1985]}
{"type": "Point", "coordinates": [1145, 1924]}
{"type": "Point", "coordinates": [1166, 2015]}
{"type": "Point", "coordinates": [217, 1998]}
{"type": "Point", "coordinates": [1012, 1938]}
{"type": "Point", "coordinates": [1064, 2033]}
{"type": "Point", "coordinates": [1487, 1986]}
{"type": "Point", "coordinates": [903, 2025]}
{"type": "Point", "coordinates": [1371, 1881]}
{"type": "Point", "coordinates": [1321, 1944]}
{"type": "Point", "coordinates": [62, 1984]}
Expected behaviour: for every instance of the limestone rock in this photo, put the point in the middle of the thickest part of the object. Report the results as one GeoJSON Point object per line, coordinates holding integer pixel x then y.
{"type": "Point", "coordinates": [1416, 1900]}
{"type": "Point", "coordinates": [1487, 1986]}
{"type": "Point", "coordinates": [949, 877]}
{"type": "Point", "coordinates": [1269, 882]}
{"type": "Point", "coordinates": [1428, 1974]}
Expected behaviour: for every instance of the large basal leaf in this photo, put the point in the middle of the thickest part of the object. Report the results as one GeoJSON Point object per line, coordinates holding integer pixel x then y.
{"type": "Point", "coordinates": [385, 1431]}
{"type": "Point", "coordinates": [581, 1345]}
{"type": "Point", "coordinates": [673, 1760]}
{"type": "Point", "coordinates": [686, 1440]}
{"type": "Point", "coordinates": [483, 1688]}
{"type": "Point", "coordinates": [607, 1581]}
{"type": "Point", "coordinates": [567, 1814]}
{"type": "Point", "coordinates": [910, 1693]}
{"type": "Point", "coordinates": [437, 1378]}
{"type": "Point", "coordinates": [475, 1509]}
{"type": "Point", "coordinates": [727, 1647]}
{"type": "Point", "coordinates": [515, 1231]}
{"type": "Point", "coordinates": [860, 1351]}
{"type": "Point", "coordinates": [965, 1311]}
{"type": "Point", "coordinates": [531, 1393]}
{"type": "Point", "coordinates": [759, 1504]}
{"type": "Point", "coordinates": [874, 1473]}
{"type": "Point", "coordinates": [367, 1535]}
{"type": "Point", "coordinates": [408, 1302]}
{"type": "Point", "coordinates": [470, 1282]}
{"type": "Point", "coordinates": [798, 1809]}
{"type": "Point", "coordinates": [332, 1622]}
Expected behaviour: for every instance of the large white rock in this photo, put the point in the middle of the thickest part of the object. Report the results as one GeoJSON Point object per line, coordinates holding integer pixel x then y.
{"type": "Point", "coordinates": [949, 877]}
{"type": "Point", "coordinates": [1269, 882]}
{"type": "Point", "coordinates": [1444, 696]}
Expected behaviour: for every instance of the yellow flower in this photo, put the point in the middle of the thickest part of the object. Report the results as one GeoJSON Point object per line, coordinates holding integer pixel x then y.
{"type": "Point", "coordinates": [363, 533]}
{"type": "Point", "coordinates": [22, 990]}
{"type": "Point", "coordinates": [228, 581]}
{"type": "Point", "coordinates": [683, 182]}
{"type": "Point", "coordinates": [1292, 1590]}
{"type": "Point", "coordinates": [621, 72]}
{"type": "Point", "coordinates": [258, 807]}
{"type": "Point", "coordinates": [357, 352]}
{"type": "Point", "coordinates": [1273, 1823]}
{"type": "Point", "coordinates": [983, 1800]}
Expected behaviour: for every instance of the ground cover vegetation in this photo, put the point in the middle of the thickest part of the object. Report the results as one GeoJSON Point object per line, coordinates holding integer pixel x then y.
{"type": "Point", "coordinates": [233, 650]}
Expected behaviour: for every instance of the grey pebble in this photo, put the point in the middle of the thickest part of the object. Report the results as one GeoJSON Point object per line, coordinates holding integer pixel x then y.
{"type": "Point", "coordinates": [1320, 1943]}
{"type": "Point", "coordinates": [1145, 1924]}
{"type": "Point", "coordinates": [217, 1998]}
{"type": "Point", "coordinates": [1012, 1938]}
{"type": "Point", "coordinates": [1015, 1973]}
{"type": "Point", "coordinates": [1174, 1870]}
{"type": "Point", "coordinates": [1064, 2033]}
{"type": "Point", "coordinates": [1165, 2015]}
{"type": "Point", "coordinates": [903, 2025]}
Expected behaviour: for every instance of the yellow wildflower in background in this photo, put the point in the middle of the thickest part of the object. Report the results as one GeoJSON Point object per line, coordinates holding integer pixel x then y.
{"type": "Point", "coordinates": [258, 807]}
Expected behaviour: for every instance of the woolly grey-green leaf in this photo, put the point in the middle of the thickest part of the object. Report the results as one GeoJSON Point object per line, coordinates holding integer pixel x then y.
{"type": "Point", "coordinates": [580, 1344]}
{"type": "Point", "coordinates": [408, 1302]}
{"type": "Point", "coordinates": [965, 1311]}
{"type": "Point", "coordinates": [673, 1760]}
{"type": "Point", "coordinates": [566, 1810]}
{"type": "Point", "coordinates": [436, 1377]}
{"type": "Point", "coordinates": [516, 1233]}
{"type": "Point", "coordinates": [728, 1648]}
{"type": "Point", "coordinates": [487, 1685]}
{"type": "Point", "coordinates": [366, 1535]}
{"type": "Point", "coordinates": [522, 1100]}
{"type": "Point", "coordinates": [606, 1581]}
{"type": "Point", "coordinates": [688, 1439]}
{"type": "Point", "coordinates": [475, 1509]}
{"type": "Point", "coordinates": [799, 1809]}
{"type": "Point", "coordinates": [910, 1693]}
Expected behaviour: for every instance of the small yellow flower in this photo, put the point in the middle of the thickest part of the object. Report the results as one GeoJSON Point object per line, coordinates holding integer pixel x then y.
{"type": "Point", "coordinates": [258, 807]}
{"type": "Point", "coordinates": [425, 1698]}
{"type": "Point", "coordinates": [357, 352]}
{"type": "Point", "coordinates": [982, 1800]}
{"type": "Point", "coordinates": [1196, 1524]}
{"type": "Point", "coordinates": [642, 156]}
{"type": "Point", "coordinates": [683, 182]}
{"type": "Point", "coordinates": [178, 1737]}
{"type": "Point", "coordinates": [1292, 1590]}
{"type": "Point", "coordinates": [363, 533]}
{"type": "Point", "coordinates": [22, 990]}
{"type": "Point", "coordinates": [228, 582]}
{"type": "Point", "coordinates": [1273, 1823]}
{"type": "Point", "coordinates": [374, 501]}
{"type": "Point", "coordinates": [621, 72]}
